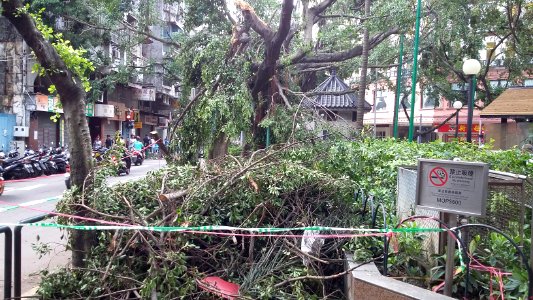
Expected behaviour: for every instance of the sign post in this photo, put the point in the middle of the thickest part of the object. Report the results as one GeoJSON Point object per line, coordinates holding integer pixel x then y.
{"type": "Point", "coordinates": [452, 187]}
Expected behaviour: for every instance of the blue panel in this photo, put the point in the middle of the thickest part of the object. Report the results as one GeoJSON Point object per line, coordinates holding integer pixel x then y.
{"type": "Point", "coordinates": [7, 122]}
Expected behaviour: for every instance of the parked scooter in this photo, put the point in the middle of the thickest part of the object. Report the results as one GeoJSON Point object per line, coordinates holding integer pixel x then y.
{"type": "Point", "coordinates": [46, 158]}
{"type": "Point", "coordinates": [60, 158]}
{"type": "Point", "coordinates": [15, 167]}
{"type": "Point", "coordinates": [38, 167]}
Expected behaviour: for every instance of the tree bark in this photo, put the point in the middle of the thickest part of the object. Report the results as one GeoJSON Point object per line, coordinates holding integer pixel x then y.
{"type": "Point", "coordinates": [301, 58]}
{"type": "Point", "coordinates": [173, 196]}
{"type": "Point", "coordinates": [364, 69]}
{"type": "Point", "coordinates": [72, 97]}
{"type": "Point", "coordinates": [220, 146]}
{"type": "Point", "coordinates": [260, 89]}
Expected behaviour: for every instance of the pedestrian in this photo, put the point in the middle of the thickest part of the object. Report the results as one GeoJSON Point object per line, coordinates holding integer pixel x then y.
{"type": "Point", "coordinates": [97, 142]}
{"type": "Point", "coordinates": [108, 142]}
{"type": "Point", "coordinates": [127, 142]}
{"type": "Point", "coordinates": [146, 140]}
{"type": "Point", "coordinates": [155, 150]}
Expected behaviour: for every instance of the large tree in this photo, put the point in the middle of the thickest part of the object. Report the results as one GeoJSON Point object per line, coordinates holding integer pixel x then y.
{"type": "Point", "coordinates": [493, 32]}
{"type": "Point", "coordinates": [72, 94]}
{"type": "Point", "coordinates": [260, 59]}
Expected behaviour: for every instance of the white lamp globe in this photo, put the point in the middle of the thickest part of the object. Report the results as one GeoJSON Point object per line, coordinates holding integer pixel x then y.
{"type": "Point", "coordinates": [471, 66]}
{"type": "Point", "coordinates": [458, 104]}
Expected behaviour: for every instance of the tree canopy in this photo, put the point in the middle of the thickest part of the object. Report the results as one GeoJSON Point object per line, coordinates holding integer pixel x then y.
{"type": "Point", "coordinates": [251, 61]}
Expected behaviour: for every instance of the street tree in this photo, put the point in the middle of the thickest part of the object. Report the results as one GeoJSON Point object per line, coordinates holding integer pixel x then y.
{"type": "Point", "coordinates": [66, 69]}
{"type": "Point", "coordinates": [493, 32]}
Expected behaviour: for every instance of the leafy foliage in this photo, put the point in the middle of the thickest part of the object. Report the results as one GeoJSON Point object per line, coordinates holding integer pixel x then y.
{"type": "Point", "coordinates": [74, 58]}
{"type": "Point", "coordinates": [300, 185]}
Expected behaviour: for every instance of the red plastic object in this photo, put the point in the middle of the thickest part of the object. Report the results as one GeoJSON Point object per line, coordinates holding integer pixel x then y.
{"type": "Point", "coordinates": [220, 287]}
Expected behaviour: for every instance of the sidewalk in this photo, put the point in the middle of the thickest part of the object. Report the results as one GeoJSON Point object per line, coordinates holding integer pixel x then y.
{"type": "Point", "coordinates": [32, 263]}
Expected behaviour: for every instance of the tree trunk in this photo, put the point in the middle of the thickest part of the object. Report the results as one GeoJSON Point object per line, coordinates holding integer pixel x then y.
{"type": "Point", "coordinates": [80, 160]}
{"type": "Point", "coordinates": [220, 146]}
{"type": "Point", "coordinates": [72, 96]}
{"type": "Point", "coordinates": [364, 68]}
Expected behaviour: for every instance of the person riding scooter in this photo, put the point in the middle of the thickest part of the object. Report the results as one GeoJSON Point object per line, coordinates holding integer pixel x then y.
{"type": "Point", "coordinates": [137, 153]}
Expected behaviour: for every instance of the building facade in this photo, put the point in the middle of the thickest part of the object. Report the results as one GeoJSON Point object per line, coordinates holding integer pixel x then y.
{"type": "Point", "coordinates": [430, 112]}
{"type": "Point", "coordinates": [31, 117]}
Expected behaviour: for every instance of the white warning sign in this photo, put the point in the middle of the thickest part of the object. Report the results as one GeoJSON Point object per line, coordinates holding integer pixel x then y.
{"type": "Point", "coordinates": [454, 187]}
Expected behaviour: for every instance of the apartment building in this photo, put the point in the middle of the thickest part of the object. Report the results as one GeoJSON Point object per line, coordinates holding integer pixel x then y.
{"type": "Point", "coordinates": [32, 117]}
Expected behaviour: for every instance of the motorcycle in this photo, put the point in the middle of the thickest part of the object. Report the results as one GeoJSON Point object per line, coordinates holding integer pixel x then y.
{"type": "Point", "coordinates": [137, 157]}
{"type": "Point", "coordinates": [15, 167]}
{"type": "Point", "coordinates": [38, 167]}
{"type": "Point", "coordinates": [123, 168]}
{"type": "Point", "coordinates": [98, 154]}
{"type": "Point", "coordinates": [46, 159]}
{"type": "Point", "coordinates": [60, 159]}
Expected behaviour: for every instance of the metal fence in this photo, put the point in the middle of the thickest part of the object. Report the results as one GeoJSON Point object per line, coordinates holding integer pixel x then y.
{"type": "Point", "coordinates": [13, 257]}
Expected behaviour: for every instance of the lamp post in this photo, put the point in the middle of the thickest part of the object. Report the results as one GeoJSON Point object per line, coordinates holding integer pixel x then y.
{"type": "Point", "coordinates": [457, 105]}
{"type": "Point", "coordinates": [471, 68]}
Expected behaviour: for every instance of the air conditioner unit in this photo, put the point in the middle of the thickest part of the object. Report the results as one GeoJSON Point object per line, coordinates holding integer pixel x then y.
{"type": "Point", "coordinates": [21, 131]}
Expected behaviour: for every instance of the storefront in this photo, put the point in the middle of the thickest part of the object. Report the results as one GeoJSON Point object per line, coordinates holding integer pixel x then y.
{"type": "Point", "coordinates": [149, 124]}
{"type": "Point", "coordinates": [43, 130]}
{"type": "Point", "coordinates": [447, 132]}
{"type": "Point", "coordinates": [105, 113]}
{"type": "Point", "coordinates": [117, 120]}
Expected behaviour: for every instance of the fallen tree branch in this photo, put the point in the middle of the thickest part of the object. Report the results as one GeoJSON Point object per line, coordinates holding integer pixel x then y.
{"type": "Point", "coordinates": [173, 196]}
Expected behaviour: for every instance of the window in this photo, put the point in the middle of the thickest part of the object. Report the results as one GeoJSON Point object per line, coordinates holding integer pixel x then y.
{"type": "Point", "coordinates": [381, 104]}
{"type": "Point", "coordinates": [329, 115]}
{"type": "Point", "coordinates": [429, 98]}
{"type": "Point", "coordinates": [381, 134]}
{"type": "Point", "coordinates": [499, 84]}
{"type": "Point", "coordinates": [354, 116]}
{"type": "Point", "coordinates": [459, 86]}
{"type": "Point", "coordinates": [528, 82]}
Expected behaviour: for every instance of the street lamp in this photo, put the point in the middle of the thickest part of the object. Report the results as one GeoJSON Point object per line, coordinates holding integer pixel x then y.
{"type": "Point", "coordinates": [457, 105]}
{"type": "Point", "coordinates": [471, 68]}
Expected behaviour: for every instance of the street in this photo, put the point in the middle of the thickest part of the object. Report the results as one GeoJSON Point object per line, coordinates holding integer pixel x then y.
{"type": "Point", "coordinates": [33, 197]}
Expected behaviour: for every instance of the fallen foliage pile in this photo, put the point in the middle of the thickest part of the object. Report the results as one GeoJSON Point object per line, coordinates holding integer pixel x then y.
{"type": "Point", "coordinates": [267, 189]}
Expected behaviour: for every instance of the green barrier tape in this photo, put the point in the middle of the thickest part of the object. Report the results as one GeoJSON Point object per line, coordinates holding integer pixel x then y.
{"type": "Point", "coordinates": [222, 228]}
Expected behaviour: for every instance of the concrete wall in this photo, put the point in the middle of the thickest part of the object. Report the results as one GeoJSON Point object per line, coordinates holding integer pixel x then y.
{"type": "Point", "coordinates": [367, 283]}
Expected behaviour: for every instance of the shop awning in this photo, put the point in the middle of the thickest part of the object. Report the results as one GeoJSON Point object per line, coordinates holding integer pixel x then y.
{"type": "Point", "coordinates": [512, 103]}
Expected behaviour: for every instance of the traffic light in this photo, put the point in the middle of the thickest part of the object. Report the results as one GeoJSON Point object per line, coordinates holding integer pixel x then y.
{"type": "Point", "coordinates": [129, 121]}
